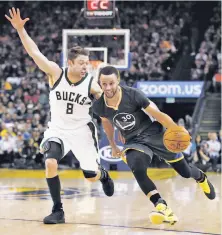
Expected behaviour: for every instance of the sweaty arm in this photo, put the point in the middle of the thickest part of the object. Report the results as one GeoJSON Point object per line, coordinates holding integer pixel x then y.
{"type": "Point", "coordinates": [95, 90]}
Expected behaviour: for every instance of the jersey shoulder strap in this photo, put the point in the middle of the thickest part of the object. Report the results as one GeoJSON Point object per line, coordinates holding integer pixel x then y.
{"type": "Point", "coordinates": [89, 87]}
{"type": "Point", "coordinates": [58, 81]}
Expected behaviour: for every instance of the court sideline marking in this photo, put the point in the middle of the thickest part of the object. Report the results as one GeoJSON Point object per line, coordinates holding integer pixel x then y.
{"type": "Point", "coordinates": [119, 226]}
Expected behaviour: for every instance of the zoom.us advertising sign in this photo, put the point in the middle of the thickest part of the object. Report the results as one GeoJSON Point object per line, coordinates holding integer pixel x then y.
{"type": "Point", "coordinates": [173, 89]}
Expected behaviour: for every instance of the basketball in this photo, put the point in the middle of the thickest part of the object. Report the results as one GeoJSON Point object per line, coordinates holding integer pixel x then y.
{"type": "Point", "coordinates": [176, 139]}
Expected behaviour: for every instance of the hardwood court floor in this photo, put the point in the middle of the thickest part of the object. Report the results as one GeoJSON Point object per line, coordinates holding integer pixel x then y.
{"type": "Point", "coordinates": [24, 201]}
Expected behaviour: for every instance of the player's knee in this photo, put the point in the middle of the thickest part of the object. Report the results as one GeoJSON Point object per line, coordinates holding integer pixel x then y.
{"type": "Point", "coordinates": [185, 173]}
{"type": "Point", "coordinates": [52, 150]}
{"type": "Point", "coordinates": [134, 160]}
{"type": "Point", "coordinates": [182, 168]}
{"type": "Point", "coordinates": [90, 175]}
{"type": "Point", "coordinates": [51, 164]}
{"type": "Point", "coordinates": [139, 170]}
{"type": "Point", "coordinates": [136, 164]}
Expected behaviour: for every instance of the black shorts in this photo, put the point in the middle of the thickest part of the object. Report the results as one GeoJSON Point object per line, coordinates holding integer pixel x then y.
{"type": "Point", "coordinates": [150, 142]}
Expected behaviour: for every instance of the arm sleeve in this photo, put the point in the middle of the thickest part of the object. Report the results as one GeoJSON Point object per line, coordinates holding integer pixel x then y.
{"type": "Point", "coordinates": [141, 100]}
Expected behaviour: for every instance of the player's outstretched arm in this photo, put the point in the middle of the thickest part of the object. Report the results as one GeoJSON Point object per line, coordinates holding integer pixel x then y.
{"type": "Point", "coordinates": [109, 130]}
{"type": "Point", "coordinates": [41, 61]}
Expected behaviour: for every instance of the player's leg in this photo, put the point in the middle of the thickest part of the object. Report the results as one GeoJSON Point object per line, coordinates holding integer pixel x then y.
{"type": "Point", "coordinates": [138, 163]}
{"type": "Point", "coordinates": [155, 142]}
{"type": "Point", "coordinates": [53, 153]}
{"type": "Point", "coordinates": [190, 171]}
{"type": "Point", "coordinates": [89, 157]}
{"type": "Point", "coordinates": [102, 175]}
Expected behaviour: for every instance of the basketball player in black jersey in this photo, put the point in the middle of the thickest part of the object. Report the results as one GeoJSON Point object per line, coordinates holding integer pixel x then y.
{"type": "Point", "coordinates": [129, 110]}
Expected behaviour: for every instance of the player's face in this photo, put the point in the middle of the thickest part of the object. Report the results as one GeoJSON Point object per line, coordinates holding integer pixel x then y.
{"type": "Point", "coordinates": [79, 66]}
{"type": "Point", "coordinates": [109, 84]}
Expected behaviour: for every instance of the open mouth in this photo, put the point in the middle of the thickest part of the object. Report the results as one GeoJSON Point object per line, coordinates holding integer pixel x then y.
{"type": "Point", "coordinates": [108, 93]}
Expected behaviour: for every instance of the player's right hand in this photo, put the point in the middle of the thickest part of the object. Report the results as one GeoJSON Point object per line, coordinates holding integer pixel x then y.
{"type": "Point", "coordinates": [116, 152]}
{"type": "Point", "coordinates": [16, 20]}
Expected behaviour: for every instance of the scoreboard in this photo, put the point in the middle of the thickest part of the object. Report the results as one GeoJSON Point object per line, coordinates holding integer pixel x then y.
{"type": "Point", "coordinates": [99, 9]}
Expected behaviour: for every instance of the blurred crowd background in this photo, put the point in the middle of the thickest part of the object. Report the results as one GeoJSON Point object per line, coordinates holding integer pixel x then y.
{"type": "Point", "coordinates": [169, 41]}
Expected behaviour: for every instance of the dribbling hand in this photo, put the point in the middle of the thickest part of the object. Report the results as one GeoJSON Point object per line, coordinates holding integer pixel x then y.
{"type": "Point", "coordinates": [185, 130]}
{"type": "Point", "coordinates": [16, 20]}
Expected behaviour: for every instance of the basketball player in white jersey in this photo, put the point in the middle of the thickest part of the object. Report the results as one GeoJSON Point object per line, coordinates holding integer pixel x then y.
{"type": "Point", "coordinates": [70, 128]}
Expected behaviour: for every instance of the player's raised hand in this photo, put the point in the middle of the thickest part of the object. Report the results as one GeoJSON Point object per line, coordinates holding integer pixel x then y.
{"type": "Point", "coordinates": [16, 20]}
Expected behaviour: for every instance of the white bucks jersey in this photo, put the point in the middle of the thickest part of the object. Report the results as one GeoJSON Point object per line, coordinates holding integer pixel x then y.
{"type": "Point", "coordinates": [70, 104]}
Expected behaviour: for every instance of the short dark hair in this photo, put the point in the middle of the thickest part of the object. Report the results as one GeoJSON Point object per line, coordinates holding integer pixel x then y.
{"type": "Point", "coordinates": [108, 70]}
{"type": "Point", "coordinates": [76, 51]}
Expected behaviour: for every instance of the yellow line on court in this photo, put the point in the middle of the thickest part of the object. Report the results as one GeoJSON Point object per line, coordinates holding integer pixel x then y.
{"type": "Point", "coordinates": [77, 174]}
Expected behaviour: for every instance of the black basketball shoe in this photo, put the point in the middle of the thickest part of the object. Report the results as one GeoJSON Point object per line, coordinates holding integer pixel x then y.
{"type": "Point", "coordinates": [56, 217]}
{"type": "Point", "coordinates": [107, 182]}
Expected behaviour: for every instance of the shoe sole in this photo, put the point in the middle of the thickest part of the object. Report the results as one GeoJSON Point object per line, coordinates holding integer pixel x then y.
{"type": "Point", "coordinates": [110, 193]}
{"type": "Point", "coordinates": [156, 218]}
{"type": "Point", "coordinates": [159, 218]}
{"type": "Point", "coordinates": [212, 194]}
{"type": "Point", "coordinates": [54, 222]}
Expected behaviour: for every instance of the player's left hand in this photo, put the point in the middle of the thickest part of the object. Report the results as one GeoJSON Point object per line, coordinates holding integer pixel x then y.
{"type": "Point", "coordinates": [185, 130]}
{"type": "Point", "coordinates": [182, 128]}
{"type": "Point", "coordinates": [177, 127]}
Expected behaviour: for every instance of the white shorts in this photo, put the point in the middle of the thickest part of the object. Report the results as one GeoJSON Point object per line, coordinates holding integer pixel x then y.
{"type": "Point", "coordinates": [83, 142]}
